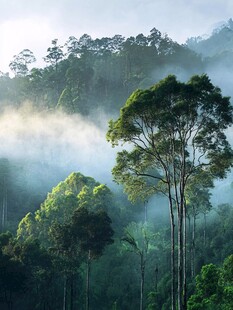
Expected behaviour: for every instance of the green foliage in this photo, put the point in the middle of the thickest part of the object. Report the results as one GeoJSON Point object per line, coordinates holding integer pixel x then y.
{"type": "Point", "coordinates": [96, 74]}
{"type": "Point", "coordinates": [53, 242]}
{"type": "Point", "coordinates": [19, 65]}
{"type": "Point", "coordinates": [214, 287]}
{"type": "Point", "coordinates": [139, 238]}
{"type": "Point", "coordinates": [24, 267]}
{"type": "Point", "coordinates": [227, 270]}
{"type": "Point", "coordinates": [92, 230]}
{"type": "Point", "coordinates": [199, 186]}
{"type": "Point", "coordinates": [12, 278]}
{"type": "Point", "coordinates": [176, 130]}
{"type": "Point", "coordinates": [26, 226]}
{"type": "Point", "coordinates": [75, 192]}
{"type": "Point", "coordinates": [153, 123]}
{"type": "Point", "coordinates": [220, 41]}
{"type": "Point", "coordinates": [62, 201]}
{"type": "Point", "coordinates": [173, 131]}
{"type": "Point", "coordinates": [55, 54]}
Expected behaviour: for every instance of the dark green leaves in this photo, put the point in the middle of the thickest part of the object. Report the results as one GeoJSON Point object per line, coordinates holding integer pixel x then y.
{"type": "Point", "coordinates": [173, 123]}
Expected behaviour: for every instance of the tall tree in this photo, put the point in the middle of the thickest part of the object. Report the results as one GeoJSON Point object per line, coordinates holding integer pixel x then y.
{"type": "Point", "coordinates": [55, 54]}
{"type": "Point", "coordinates": [138, 238]}
{"type": "Point", "coordinates": [68, 257]}
{"type": "Point", "coordinates": [92, 232]}
{"type": "Point", "coordinates": [177, 128]}
{"type": "Point", "coordinates": [84, 235]}
{"type": "Point", "coordinates": [20, 62]}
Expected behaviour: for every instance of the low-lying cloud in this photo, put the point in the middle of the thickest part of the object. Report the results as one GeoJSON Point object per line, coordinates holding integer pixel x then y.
{"type": "Point", "coordinates": [68, 142]}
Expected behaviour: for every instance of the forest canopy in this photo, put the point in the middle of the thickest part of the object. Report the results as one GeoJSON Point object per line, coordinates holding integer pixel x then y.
{"type": "Point", "coordinates": [161, 239]}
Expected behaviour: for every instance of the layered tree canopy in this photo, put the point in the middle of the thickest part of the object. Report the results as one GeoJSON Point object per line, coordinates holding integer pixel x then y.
{"type": "Point", "coordinates": [174, 142]}
{"type": "Point", "coordinates": [174, 132]}
{"type": "Point", "coordinates": [75, 192]}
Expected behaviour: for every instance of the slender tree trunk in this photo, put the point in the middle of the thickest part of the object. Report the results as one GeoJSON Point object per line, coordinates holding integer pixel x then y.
{"type": "Point", "coordinates": [185, 260]}
{"type": "Point", "coordinates": [156, 278]}
{"type": "Point", "coordinates": [189, 246]}
{"type": "Point", "coordinates": [71, 292]}
{"type": "Point", "coordinates": [173, 272]}
{"type": "Point", "coordinates": [4, 204]}
{"type": "Point", "coordinates": [204, 237]}
{"type": "Point", "coordinates": [204, 233]}
{"type": "Point", "coordinates": [180, 258]}
{"type": "Point", "coordinates": [193, 272]}
{"type": "Point", "coordinates": [145, 212]}
{"type": "Point", "coordinates": [88, 280]}
{"type": "Point", "coordinates": [142, 280]}
{"type": "Point", "coordinates": [181, 209]}
{"type": "Point", "coordinates": [127, 71]}
{"type": "Point", "coordinates": [64, 292]}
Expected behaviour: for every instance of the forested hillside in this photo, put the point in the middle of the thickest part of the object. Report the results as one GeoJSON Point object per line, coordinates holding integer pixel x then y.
{"type": "Point", "coordinates": [86, 75]}
{"type": "Point", "coordinates": [217, 54]}
{"type": "Point", "coordinates": [220, 41]}
{"type": "Point", "coordinates": [160, 236]}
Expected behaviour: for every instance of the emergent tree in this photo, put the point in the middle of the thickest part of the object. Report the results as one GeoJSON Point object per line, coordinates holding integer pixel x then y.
{"type": "Point", "coordinates": [20, 62]}
{"type": "Point", "coordinates": [176, 129]}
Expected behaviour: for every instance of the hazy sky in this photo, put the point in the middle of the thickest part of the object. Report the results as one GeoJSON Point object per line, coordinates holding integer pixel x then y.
{"type": "Point", "coordinates": [33, 24]}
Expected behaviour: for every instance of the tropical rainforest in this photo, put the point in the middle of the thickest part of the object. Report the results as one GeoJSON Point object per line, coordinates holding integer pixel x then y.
{"type": "Point", "coordinates": [115, 175]}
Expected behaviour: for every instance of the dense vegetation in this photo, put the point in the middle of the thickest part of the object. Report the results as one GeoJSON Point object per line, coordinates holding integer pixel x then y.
{"type": "Point", "coordinates": [70, 242]}
{"type": "Point", "coordinates": [86, 75]}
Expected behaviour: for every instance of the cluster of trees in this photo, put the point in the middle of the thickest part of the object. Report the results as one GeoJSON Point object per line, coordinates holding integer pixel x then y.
{"type": "Point", "coordinates": [84, 246]}
{"type": "Point", "coordinates": [63, 257]}
{"type": "Point", "coordinates": [220, 42]}
{"type": "Point", "coordinates": [177, 131]}
{"type": "Point", "coordinates": [87, 74]}
{"type": "Point", "coordinates": [217, 55]}
{"type": "Point", "coordinates": [71, 227]}
{"type": "Point", "coordinates": [214, 287]}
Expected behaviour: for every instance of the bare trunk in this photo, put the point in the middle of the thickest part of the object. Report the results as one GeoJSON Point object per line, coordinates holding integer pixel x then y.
{"type": "Point", "coordinates": [180, 259]}
{"type": "Point", "coordinates": [156, 278]}
{"type": "Point", "coordinates": [145, 212]}
{"type": "Point", "coordinates": [88, 280]}
{"type": "Point", "coordinates": [71, 292]}
{"type": "Point", "coordinates": [189, 247]}
{"type": "Point", "coordinates": [4, 205]}
{"type": "Point", "coordinates": [173, 272]}
{"type": "Point", "coordinates": [193, 272]}
{"type": "Point", "coordinates": [204, 234]}
{"type": "Point", "coordinates": [142, 280]}
{"type": "Point", "coordinates": [185, 261]}
{"type": "Point", "coordinates": [64, 292]}
{"type": "Point", "coordinates": [181, 215]}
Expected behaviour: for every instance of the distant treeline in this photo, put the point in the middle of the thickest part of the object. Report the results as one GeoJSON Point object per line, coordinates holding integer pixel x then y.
{"type": "Point", "coordinates": [86, 246]}
{"type": "Point", "coordinates": [86, 74]}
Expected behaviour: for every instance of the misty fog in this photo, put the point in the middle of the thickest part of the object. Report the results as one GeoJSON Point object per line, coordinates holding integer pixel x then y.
{"type": "Point", "coordinates": [53, 121]}
{"type": "Point", "coordinates": [56, 142]}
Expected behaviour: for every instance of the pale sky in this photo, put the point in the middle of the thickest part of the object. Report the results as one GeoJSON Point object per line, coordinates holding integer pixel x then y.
{"type": "Point", "coordinates": [33, 24]}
